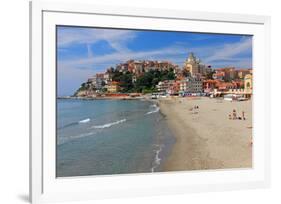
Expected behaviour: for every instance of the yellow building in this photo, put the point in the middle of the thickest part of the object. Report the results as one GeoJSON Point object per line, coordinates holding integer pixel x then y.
{"type": "Point", "coordinates": [242, 73]}
{"type": "Point", "coordinates": [248, 84]}
{"type": "Point", "coordinates": [113, 87]}
{"type": "Point", "coordinates": [192, 64]}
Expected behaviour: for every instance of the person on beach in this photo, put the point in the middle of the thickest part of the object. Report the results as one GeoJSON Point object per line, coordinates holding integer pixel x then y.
{"type": "Point", "coordinates": [243, 115]}
{"type": "Point", "coordinates": [229, 117]}
{"type": "Point", "coordinates": [234, 115]}
{"type": "Point", "coordinates": [196, 107]}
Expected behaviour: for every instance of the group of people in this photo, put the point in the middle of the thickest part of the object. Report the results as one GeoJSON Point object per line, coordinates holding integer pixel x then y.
{"type": "Point", "coordinates": [194, 108]}
{"type": "Point", "coordinates": [234, 116]}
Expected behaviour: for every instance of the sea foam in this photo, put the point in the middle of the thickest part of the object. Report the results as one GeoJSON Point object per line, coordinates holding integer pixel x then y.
{"type": "Point", "coordinates": [155, 109]}
{"type": "Point", "coordinates": [157, 159]}
{"type": "Point", "coordinates": [109, 124]}
{"type": "Point", "coordinates": [85, 120]}
{"type": "Point", "coordinates": [74, 137]}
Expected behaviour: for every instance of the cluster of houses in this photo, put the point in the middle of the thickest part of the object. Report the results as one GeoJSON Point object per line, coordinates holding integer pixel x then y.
{"type": "Point", "coordinates": [203, 80]}
{"type": "Point", "coordinates": [103, 81]}
{"type": "Point", "coordinates": [187, 85]}
{"type": "Point", "coordinates": [196, 86]}
{"type": "Point", "coordinates": [138, 67]}
{"type": "Point", "coordinates": [194, 78]}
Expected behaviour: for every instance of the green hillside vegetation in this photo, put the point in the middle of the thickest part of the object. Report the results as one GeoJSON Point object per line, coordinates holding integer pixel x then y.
{"type": "Point", "coordinates": [146, 83]}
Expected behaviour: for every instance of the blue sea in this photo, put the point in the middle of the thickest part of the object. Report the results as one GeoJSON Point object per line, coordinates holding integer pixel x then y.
{"type": "Point", "coordinates": [104, 137]}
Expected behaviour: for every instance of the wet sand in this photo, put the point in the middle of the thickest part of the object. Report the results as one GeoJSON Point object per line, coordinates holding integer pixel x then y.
{"type": "Point", "coordinates": [206, 138]}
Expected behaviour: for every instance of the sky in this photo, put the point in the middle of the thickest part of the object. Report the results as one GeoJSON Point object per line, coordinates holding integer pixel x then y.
{"type": "Point", "coordinates": [83, 51]}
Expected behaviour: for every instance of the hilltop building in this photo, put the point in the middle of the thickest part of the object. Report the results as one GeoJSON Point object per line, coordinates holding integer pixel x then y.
{"type": "Point", "coordinates": [138, 67]}
{"type": "Point", "coordinates": [98, 81]}
{"type": "Point", "coordinates": [194, 66]}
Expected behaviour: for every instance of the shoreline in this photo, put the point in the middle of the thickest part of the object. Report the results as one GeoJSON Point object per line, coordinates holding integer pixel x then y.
{"type": "Point", "coordinates": [99, 98]}
{"type": "Point", "coordinates": [204, 138]}
{"type": "Point", "coordinates": [105, 98]}
{"type": "Point", "coordinates": [207, 139]}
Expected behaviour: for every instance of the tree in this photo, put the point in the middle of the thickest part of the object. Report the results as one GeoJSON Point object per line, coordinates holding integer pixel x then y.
{"type": "Point", "coordinates": [83, 87]}
{"type": "Point", "coordinates": [171, 76]}
{"type": "Point", "coordinates": [210, 75]}
{"type": "Point", "coordinates": [126, 82]}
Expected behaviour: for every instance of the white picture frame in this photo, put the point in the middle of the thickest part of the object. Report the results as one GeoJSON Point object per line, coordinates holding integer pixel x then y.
{"type": "Point", "coordinates": [45, 187]}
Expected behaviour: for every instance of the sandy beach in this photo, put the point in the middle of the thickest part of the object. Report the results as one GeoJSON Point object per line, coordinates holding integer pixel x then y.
{"type": "Point", "coordinates": [206, 138]}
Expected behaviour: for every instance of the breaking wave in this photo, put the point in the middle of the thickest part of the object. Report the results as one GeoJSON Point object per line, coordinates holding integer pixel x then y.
{"type": "Point", "coordinates": [155, 110]}
{"type": "Point", "coordinates": [75, 123]}
{"type": "Point", "coordinates": [109, 124]}
{"type": "Point", "coordinates": [85, 120]}
{"type": "Point", "coordinates": [157, 159]}
{"type": "Point", "coordinates": [74, 137]}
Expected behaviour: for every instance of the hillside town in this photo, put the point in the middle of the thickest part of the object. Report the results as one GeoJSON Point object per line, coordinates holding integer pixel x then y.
{"type": "Point", "coordinates": [136, 78]}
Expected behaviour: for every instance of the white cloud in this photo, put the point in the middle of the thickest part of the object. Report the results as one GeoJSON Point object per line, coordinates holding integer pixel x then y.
{"type": "Point", "coordinates": [230, 51]}
{"type": "Point", "coordinates": [117, 57]}
{"type": "Point", "coordinates": [117, 39]}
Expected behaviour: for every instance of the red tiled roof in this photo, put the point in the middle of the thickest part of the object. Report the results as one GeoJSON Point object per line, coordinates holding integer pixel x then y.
{"type": "Point", "coordinates": [114, 83]}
